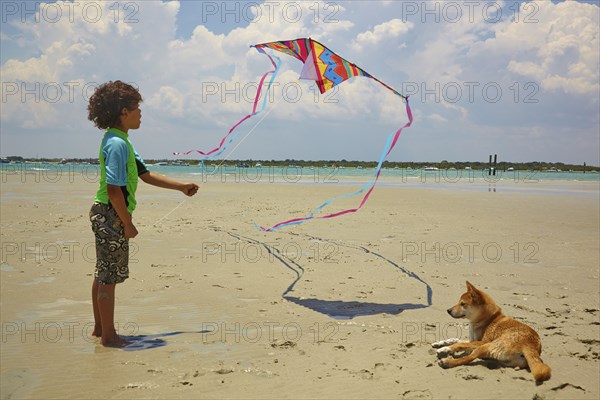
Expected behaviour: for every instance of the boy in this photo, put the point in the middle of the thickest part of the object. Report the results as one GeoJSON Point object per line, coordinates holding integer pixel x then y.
{"type": "Point", "coordinates": [115, 106]}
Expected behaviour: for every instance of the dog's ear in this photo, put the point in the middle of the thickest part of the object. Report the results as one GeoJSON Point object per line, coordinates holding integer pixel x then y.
{"type": "Point", "coordinates": [474, 292]}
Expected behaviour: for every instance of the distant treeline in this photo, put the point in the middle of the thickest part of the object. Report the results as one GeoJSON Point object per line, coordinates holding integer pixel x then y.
{"type": "Point", "coordinates": [444, 164]}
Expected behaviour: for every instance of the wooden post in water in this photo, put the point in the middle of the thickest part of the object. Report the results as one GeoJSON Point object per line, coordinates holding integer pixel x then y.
{"type": "Point", "coordinates": [492, 167]}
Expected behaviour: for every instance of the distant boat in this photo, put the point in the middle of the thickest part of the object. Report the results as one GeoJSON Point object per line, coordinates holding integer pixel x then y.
{"type": "Point", "coordinates": [510, 169]}
{"type": "Point", "coordinates": [4, 161]}
{"type": "Point", "coordinates": [161, 164]}
{"type": "Point", "coordinates": [430, 168]}
{"type": "Point", "coordinates": [258, 165]}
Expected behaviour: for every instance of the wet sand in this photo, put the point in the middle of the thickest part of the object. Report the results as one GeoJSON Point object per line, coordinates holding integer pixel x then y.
{"type": "Point", "coordinates": [341, 308]}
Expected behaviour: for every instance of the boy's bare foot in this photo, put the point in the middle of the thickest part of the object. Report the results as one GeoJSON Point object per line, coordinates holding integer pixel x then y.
{"type": "Point", "coordinates": [97, 331]}
{"type": "Point", "coordinates": [115, 341]}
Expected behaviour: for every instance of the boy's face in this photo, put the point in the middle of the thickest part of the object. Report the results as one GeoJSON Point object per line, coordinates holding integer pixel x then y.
{"type": "Point", "coordinates": [131, 118]}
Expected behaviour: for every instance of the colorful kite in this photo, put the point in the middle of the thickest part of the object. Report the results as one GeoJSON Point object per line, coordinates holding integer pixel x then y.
{"type": "Point", "coordinates": [322, 65]}
{"type": "Point", "coordinates": [328, 70]}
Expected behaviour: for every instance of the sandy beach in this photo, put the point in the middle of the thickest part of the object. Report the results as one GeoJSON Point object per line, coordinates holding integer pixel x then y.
{"type": "Point", "coordinates": [341, 308]}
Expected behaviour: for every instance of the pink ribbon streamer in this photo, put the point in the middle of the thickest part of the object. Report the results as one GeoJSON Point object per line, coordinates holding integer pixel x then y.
{"type": "Point", "coordinates": [220, 148]}
{"type": "Point", "coordinates": [296, 221]}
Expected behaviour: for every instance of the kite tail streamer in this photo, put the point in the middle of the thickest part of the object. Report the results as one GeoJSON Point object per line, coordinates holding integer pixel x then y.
{"type": "Point", "coordinates": [368, 188]}
{"type": "Point", "coordinates": [222, 144]}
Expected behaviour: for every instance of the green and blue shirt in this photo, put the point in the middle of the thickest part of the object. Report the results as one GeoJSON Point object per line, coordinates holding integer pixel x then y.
{"type": "Point", "coordinates": [120, 165]}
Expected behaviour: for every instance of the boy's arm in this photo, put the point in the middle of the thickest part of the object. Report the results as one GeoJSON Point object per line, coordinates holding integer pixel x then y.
{"type": "Point", "coordinates": [189, 189]}
{"type": "Point", "coordinates": [115, 195]}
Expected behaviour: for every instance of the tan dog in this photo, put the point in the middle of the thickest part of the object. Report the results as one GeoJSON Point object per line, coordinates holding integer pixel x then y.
{"type": "Point", "coordinates": [493, 336]}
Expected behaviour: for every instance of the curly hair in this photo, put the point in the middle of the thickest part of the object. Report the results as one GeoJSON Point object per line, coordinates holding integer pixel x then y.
{"type": "Point", "coordinates": [107, 102]}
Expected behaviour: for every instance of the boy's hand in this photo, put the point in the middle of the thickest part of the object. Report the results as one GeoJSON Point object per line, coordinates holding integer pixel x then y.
{"type": "Point", "coordinates": [130, 231]}
{"type": "Point", "coordinates": [189, 189]}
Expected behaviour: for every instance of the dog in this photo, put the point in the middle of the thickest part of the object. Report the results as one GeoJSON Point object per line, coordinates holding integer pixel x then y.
{"type": "Point", "coordinates": [493, 335]}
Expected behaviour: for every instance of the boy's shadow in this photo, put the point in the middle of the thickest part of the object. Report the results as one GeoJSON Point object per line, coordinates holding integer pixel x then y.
{"type": "Point", "coordinates": [146, 342]}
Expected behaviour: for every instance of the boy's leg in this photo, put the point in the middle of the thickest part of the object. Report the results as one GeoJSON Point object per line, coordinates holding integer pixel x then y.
{"type": "Point", "coordinates": [112, 257]}
{"type": "Point", "coordinates": [97, 319]}
{"type": "Point", "coordinates": [106, 307]}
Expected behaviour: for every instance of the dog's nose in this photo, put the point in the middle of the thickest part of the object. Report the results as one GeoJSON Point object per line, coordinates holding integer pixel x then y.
{"type": "Point", "coordinates": [449, 311]}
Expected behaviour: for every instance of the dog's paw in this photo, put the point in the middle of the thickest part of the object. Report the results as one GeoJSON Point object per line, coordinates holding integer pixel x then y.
{"type": "Point", "coordinates": [444, 351]}
{"type": "Point", "coordinates": [444, 343]}
{"type": "Point", "coordinates": [445, 362]}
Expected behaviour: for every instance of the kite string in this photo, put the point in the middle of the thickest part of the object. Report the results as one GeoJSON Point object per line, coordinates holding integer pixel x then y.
{"type": "Point", "coordinates": [232, 151]}
{"type": "Point", "coordinates": [222, 146]}
{"type": "Point", "coordinates": [218, 150]}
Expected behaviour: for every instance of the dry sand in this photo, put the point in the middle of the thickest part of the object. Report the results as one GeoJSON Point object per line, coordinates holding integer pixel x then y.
{"type": "Point", "coordinates": [329, 309]}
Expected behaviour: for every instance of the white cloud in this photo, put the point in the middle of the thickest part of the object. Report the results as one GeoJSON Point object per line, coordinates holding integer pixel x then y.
{"type": "Point", "coordinates": [387, 30]}
{"type": "Point", "coordinates": [437, 117]}
{"type": "Point", "coordinates": [88, 42]}
{"type": "Point", "coordinates": [168, 99]}
{"type": "Point", "coordinates": [559, 49]}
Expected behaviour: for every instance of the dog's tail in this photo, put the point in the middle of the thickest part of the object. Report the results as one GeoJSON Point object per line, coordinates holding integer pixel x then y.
{"type": "Point", "coordinates": [541, 372]}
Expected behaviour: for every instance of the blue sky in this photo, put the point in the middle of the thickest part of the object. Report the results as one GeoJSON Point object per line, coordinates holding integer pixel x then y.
{"type": "Point", "coordinates": [520, 79]}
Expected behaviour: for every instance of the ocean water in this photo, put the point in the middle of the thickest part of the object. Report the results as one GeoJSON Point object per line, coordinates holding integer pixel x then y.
{"type": "Point", "coordinates": [517, 180]}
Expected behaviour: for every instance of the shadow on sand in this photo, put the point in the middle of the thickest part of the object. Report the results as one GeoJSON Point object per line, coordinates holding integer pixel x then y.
{"type": "Point", "coordinates": [349, 309]}
{"type": "Point", "coordinates": [146, 342]}
{"type": "Point", "coordinates": [334, 308]}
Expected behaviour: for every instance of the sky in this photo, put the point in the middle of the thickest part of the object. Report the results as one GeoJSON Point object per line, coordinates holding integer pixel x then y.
{"type": "Point", "coordinates": [517, 79]}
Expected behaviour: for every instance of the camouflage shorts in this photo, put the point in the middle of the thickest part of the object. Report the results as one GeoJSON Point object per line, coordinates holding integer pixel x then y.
{"type": "Point", "coordinates": [112, 249]}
